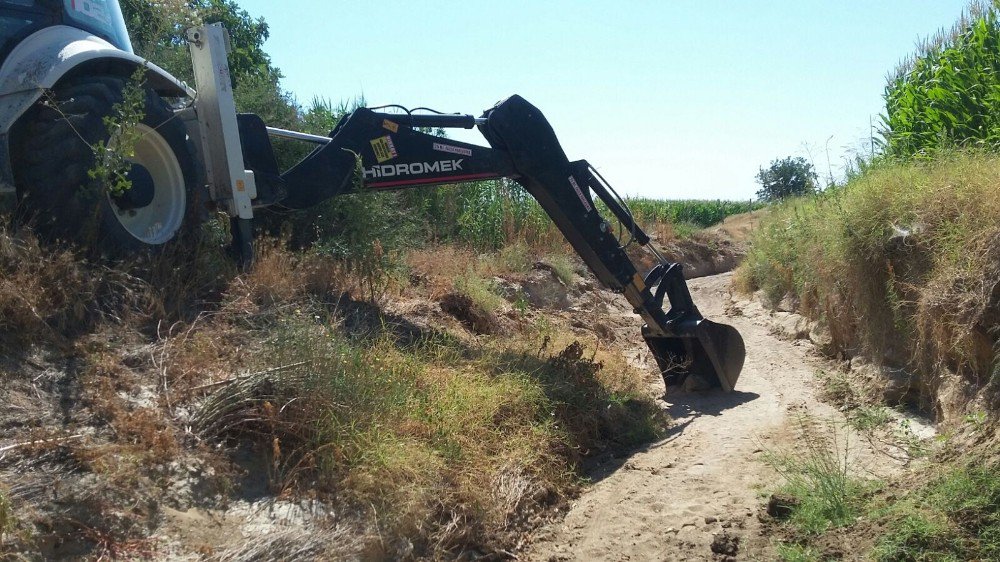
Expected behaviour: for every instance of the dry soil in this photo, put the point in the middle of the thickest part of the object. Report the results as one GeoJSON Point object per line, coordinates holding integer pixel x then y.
{"type": "Point", "coordinates": [698, 493]}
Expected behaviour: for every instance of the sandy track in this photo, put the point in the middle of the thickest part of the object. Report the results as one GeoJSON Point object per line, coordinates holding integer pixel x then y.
{"type": "Point", "coordinates": [671, 500]}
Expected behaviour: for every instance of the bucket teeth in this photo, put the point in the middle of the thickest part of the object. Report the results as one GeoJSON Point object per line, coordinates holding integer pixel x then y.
{"type": "Point", "coordinates": [711, 352]}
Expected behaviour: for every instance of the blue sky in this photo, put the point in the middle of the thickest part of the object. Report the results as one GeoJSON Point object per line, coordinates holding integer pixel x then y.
{"type": "Point", "coordinates": [668, 99]}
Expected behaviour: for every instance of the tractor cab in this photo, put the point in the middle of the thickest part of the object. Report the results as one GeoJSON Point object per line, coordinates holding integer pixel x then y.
{"type": "Point", "coordinates": [21, 18]}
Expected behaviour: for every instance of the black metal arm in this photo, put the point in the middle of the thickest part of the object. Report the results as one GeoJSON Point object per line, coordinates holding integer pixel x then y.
{"type": "Point", "coordinates": [370, 150]}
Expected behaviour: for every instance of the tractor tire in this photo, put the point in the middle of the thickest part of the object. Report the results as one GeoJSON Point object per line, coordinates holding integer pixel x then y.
{"type": "Point", "coordinates": [52, 150]}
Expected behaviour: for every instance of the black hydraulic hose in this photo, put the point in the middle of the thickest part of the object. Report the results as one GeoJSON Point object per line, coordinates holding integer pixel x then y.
{"type": "Point", "coordinates": [433, 121]}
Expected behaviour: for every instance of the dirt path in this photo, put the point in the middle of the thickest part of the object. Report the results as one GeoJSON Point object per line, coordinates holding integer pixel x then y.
{"type": "Point", "coordinates": [705, 479]}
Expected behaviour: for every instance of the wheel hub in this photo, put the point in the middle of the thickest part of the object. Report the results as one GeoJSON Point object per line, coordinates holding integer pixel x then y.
{"type": "Point", "coordinates": [142, 191]}
{"type": "Point", "coordinates": [153, 210]}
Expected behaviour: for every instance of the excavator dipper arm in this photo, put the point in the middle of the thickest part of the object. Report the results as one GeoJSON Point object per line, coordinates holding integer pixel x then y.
{"type": "Point", "coordinates": [370, 150]}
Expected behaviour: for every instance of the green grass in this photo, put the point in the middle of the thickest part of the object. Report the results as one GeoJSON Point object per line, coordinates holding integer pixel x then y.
{"type": "Point", "coordinates": [790, 552]}
{"type": "Point", "coordinates": [433, 431]}
{"type": "Point", "coordinates": [867, 418]}
{"type": "Point", "coordinates": [955, 517]}
{"type": "Point", "coordinates": [818, 476]}
{"type": "Point", "coordinates": [900, 258]}
{"type": "Point", "coordinates": [480, 291]}
{"type": "Point", "coordinates": [562, 266]}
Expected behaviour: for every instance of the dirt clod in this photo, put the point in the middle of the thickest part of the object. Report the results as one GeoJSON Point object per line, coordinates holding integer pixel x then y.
{"type": "Point", "coordinates": [470, 314]}
{"type": "Point", "coordinates": [726, 544]}
{"type": "Point", "coordinates": [781, 506]}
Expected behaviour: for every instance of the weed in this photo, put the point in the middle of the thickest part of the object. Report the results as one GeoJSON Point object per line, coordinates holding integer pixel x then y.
{"type": "Point", "coordinates": [482, 293]}
{"type": "Point", "coordinates": [791, 552]}
{"type": "Point", "coordinates": [867, 418]}
{"type": "Point", "coordinates": [819, 477]}
{"type": "Point", "coordinates": [8, 522]}
{"type": "Point", "coordinates": [562, 266]}
{"type": "Point", "coordinates": [838, 388]}
{"type": "Point", "coordinates": [955, 517]}
{"type": "Point", "coordinates": [514, 258]}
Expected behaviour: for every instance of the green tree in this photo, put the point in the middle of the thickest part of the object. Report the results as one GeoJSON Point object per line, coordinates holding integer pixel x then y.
{"type": "Point", "coordinates": [158, 32]}
{"type": "Point", "coordinates": [786, 178]}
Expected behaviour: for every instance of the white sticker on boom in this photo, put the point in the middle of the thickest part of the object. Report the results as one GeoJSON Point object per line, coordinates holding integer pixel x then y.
{"type": "Point", "coordinates": [583, 198]}
{"type": "Point", "coordinates": [452, 149]}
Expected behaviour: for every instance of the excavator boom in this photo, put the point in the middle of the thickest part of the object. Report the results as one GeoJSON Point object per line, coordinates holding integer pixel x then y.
{"type": "Point", "coordinates": [369, 150]}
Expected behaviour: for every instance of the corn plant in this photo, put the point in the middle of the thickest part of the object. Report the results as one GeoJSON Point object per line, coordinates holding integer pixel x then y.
{"type": "Point", "coordinates": [948, 93]}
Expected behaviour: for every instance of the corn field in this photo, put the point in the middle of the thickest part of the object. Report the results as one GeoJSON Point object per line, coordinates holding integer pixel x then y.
{"type": "Point", "coordinates": [491, 215]}
{"type": "Point", "coordinates": [947, 94]}
{"type": "Point", "coordinates": [690, 211]}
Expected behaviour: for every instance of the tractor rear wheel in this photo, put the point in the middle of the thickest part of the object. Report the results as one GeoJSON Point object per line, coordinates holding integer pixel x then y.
{"type": "Point", "coordinates": [53, 149]}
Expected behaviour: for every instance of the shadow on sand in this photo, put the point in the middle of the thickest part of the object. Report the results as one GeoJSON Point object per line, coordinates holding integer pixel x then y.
{"type": "Point", "coordinates": [684, 408]}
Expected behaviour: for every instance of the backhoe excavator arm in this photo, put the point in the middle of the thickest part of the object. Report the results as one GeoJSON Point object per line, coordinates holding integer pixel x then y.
{"type": "Point", "coordinates": [371, 150]}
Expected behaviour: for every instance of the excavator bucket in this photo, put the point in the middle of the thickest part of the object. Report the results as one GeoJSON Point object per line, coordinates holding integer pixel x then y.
{"type": "Point", "coordinates": [708, 354]}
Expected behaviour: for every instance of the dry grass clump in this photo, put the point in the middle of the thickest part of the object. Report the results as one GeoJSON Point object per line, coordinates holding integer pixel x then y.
{"type": "Point", "coordinates": [136, 427]}
{"type": "Point", "coordinates": [281, 275]}
{"type": "Point", "coordinates": [901, 263]}
{"type": "Point", "coordinates": [44, 295]}
{"type": "Point", "coordinates": [55, 294]}
{"type": "Point", "coordinates": [8, 521]}
{"type": "Point", "coordinates": [452, 446]}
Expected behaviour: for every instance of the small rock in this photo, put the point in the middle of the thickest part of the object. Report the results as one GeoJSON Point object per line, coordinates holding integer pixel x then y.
{"type": "Point", "coordinates": [709, 520]}
{"type": "Point", "coordinates": [788, 303]}
{"type": "Point", "coordinates": [822, 339]}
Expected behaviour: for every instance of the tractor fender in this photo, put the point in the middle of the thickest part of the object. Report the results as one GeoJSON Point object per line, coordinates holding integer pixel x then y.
{"type": "Point", "coordinates": [45, 57]}
{"type": "Point", "coordinates": [41, 60]}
